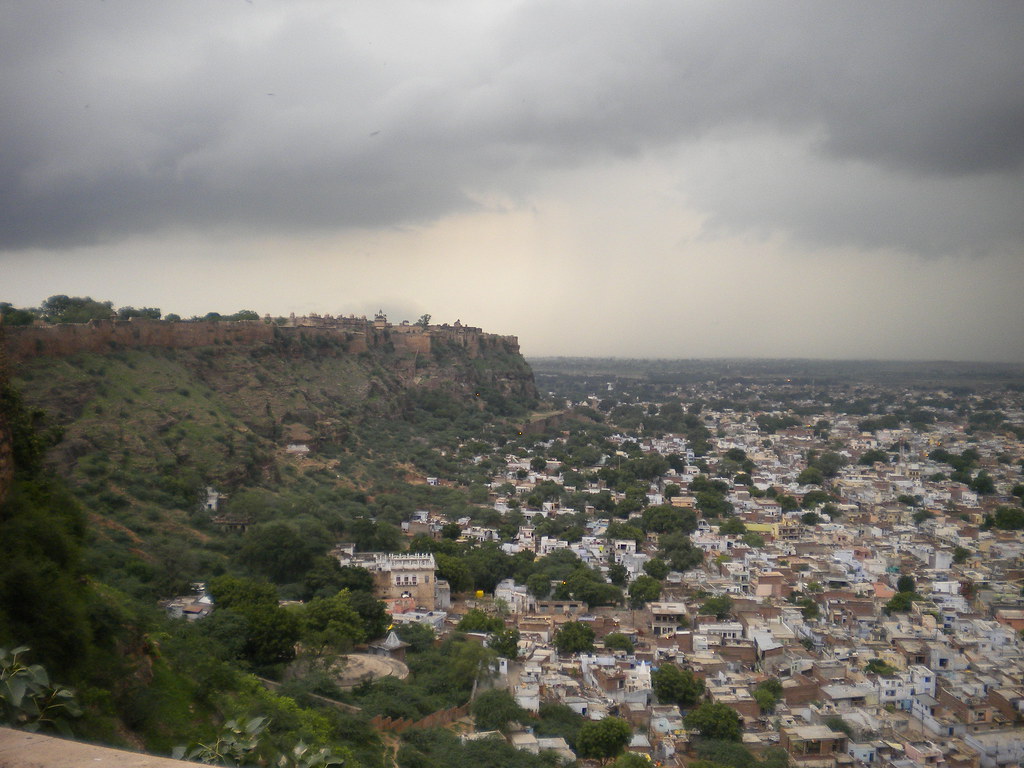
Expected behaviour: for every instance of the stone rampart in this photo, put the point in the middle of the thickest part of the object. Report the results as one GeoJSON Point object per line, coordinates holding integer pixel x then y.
{"type": "Point", "coordinates": [103, 336]}
{"type": "Point", "coordinates": [359, 335]}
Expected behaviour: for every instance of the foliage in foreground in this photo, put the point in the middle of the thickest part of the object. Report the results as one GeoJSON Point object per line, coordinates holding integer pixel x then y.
{"type": "Point", "coordinates": [28, 699]}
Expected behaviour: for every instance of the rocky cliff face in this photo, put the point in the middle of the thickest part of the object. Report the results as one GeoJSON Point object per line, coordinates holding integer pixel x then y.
{"type": "Point", "coordinates": [434, 356]}
{"type": "Point", "coordinates": [193, 403]}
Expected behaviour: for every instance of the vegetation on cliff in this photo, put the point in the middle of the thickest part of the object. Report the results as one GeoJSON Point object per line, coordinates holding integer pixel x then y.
{"type": "Point", "coordinates": [308, 442]}
{"type": "Point", "coordinates": [296, 426]}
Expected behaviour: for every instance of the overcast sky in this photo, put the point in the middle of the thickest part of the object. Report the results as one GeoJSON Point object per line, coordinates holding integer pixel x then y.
{"type": "Point", "coordinates": [661, 179]}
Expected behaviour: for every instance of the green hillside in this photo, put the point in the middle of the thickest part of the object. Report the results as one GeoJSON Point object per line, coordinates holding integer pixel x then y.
{"type": "Point", "coordinates": [143, 432]}
{"type": "Point", "coordinates": [104, 515]}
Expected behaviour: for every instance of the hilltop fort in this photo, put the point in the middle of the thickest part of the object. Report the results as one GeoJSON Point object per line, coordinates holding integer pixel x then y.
{"type": "Point", "coordinates": [352, 334]}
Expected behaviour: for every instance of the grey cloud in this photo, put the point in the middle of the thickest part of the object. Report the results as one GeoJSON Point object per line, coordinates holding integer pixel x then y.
{"type": "Point", "coordinates": [128, 117]}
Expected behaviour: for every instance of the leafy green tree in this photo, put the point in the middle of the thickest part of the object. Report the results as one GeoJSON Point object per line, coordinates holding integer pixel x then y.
{"type": "Point", "coordinates": [728, 754]}
{"type": "Point", "coordinates": [372, 612]}
{"type": "Point", "coordinates": [713, 504]}
{"type": "Point", "coordinates": [539, 585]}
{"type": "Point", "coordinates": [45, 594]}
{"type": "Point", "coordinates": [420, 637]}
{"type": "Point", "coordinates": [495, 709]}
{"type": "Point", "coordinates": [905, 583]}
{"type": "Point", "coordinates": [877, 666]}
{"type": "Point", "coordinates": [921, 515]}
{"type": "Point", "coordinates": [277, 551]}
{"type": "Point", "coordinates": [616, 641]}
{"type": "Point", "coordinates": [476, 620]}
{"type": "Point", "coordinates": [767, 694]}
{"type": "Point", "coordinates": [673, 685]}
{"type": "Point", "coordinates": [574, 637]}
{"type": "Point", "coordinates": [715, 721]}
{"type": "Point", "coordinates": [149, 313]}
{"type": "Point", "coordinates": [983, 484]}
{"type": "Point", "coordinates": [787, 502]}
{"type": "Point", "coordinates": [732, 526]}
{"type": "Point", "coordinates": [631, 760]}
{"type": "Point", "coordinates": [232, 592]}
{"type": "Point", "coordinates": [719, 606]}
{"type": "Point", "coordinates": [558, 720]}
{"type": "Point", "coordinates": [810, 518]}
{"type": "Point", "coordinates": [753, 540]}
{"type": "Point", "coordinates": [829, 463]}
{"type": "Point", "coordinates": [602, 739]}
{"type": "Point", "coordinates": [331, 624]}
{"type": "Point", "coordinates": [13, 316]}
{"type": "Point", "coordinates": [617, 574]}
{"type": "Point", "coordinates": [488, 565]}
{"type": "Point", "coordinates": [961, 555]}
{"type": "Point", "coordinates": [644, 589]}
{"type": "Point", "coordinates": [375, 536]}
{"type": "Point", "coordinates": [678, 551]}
{"type": "Point", "coordinates": [505, 642]}
{"type": "Point", "coordinates": [270, 635]}
{"type": "Point", "coordinates": [901, 602]}
{"type": "Point", "coordinates": [75, 309]}
{"type": "Point", "coordinates": [813, 498]}
{"type": "Point", "coordinates": [808, 608]}
{"type": "Point", "coordinates": [466, 662]}
{"type": "Point", "coordinates": [872, 456]}
{"type": "Point", "coordinates": [454, 570]}
{"type": "Point", "coordinates": [811, 476]}
{"type": "Point", "coordinates": [736, 454]}
{"type": "Point", "coordinates": [656, 568]}
{"type": "Point", "coordinates": [325, 578]}
{"type": "Point", "coordinates": [664, 518]}
{"type": "Point", "coordinates": [1009, 518]}
{"type": "Point", "coordinates": [617, 530]}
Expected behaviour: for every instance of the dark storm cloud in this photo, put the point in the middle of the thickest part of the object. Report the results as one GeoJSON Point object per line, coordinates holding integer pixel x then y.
{"type": "Point", "coordinates": [127, 117]}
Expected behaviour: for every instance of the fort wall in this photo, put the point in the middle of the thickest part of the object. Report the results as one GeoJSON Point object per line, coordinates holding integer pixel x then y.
{"type": "Point", "coordinates": [103, 336]}
{"type": "Point", "coordinates": [358, 335]}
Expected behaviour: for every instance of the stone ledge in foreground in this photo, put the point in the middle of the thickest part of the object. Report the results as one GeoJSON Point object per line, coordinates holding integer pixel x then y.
{"type": "Point", "coordinates": [20, 749]}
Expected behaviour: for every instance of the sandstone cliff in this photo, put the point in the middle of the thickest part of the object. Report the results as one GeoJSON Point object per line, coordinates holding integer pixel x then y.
{"type": "Point", "coordinates": [186, 404]}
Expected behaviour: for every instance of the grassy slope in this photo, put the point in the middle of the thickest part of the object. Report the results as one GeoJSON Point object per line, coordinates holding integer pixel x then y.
{"type": "Point", "coordinates": [144, 431]}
